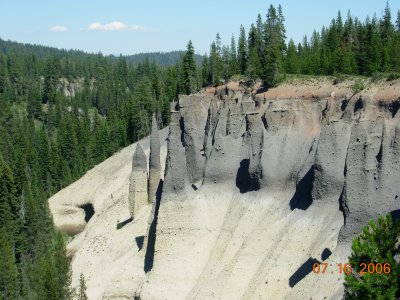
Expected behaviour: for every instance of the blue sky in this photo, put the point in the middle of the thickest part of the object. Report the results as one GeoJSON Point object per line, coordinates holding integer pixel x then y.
{"type": "Point", "coordinates": [130, 26]}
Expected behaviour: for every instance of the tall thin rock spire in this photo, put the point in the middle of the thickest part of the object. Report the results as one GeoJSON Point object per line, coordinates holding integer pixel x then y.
{"type": "Point", "coordinates": [138, 182]}
{"type": "Point", "coordinates": [154, 163]}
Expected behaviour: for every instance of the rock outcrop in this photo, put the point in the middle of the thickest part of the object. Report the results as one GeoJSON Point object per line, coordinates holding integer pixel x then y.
{"type": "Point", "coordinates": [176, 179]}
{"type": "Point", "coordinates": [138, 196]}
{"type": "Point", "coordinates": [339, 150]}
{"type": "Point", "coordinates": [154, 161]}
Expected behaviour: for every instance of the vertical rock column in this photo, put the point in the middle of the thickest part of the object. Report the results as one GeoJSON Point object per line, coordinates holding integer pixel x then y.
{"type": "Point", "coordinates": [154, 163]}
{"type": "Point", "coordinates": [138, 182]}
{"type": "Point", "coordinates": [176, 178]}
{"type": "Point", "coordinates": [255, 134]}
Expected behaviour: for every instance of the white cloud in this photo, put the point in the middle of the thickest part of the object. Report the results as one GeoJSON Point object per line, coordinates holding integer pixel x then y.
{"type": "Point", "coordinates": [116, 25]}
{"type": "Point", "coordinates": [138, 28]}
{"type": "Point", "coordinates": [59, 28]}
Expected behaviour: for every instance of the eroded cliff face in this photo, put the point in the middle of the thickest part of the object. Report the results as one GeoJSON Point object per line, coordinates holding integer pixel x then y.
{"type": "Point", "coordinates": [324, 150]}
{"type": "Point", "coordinates": [256, 188]}
{"type": "Point", "coordinates": [330, 159]}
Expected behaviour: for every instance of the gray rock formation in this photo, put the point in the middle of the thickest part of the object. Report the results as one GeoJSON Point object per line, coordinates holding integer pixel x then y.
{"type": "Point", "coordinates": [154, 161]}
{"type": "Point", "coordinates": [194, 121]}
{"type": "Point", "coordinates": [331, 151]}
{"type": "Point", "coordinates": [176, 178]}
{"type": "Point", "coordinates": [138, 195]}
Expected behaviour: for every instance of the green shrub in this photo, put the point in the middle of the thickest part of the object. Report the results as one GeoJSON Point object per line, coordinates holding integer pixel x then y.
{"type": "Point", "coordinates": [339, 78]}
{"type": "Point", "coordinates": [377, 76]}
{"type": "Point", "coordinates": [393, 76]}
{"type": "Point", "coordinates": [358, 86]}
{"type": "Point", "coordinates": [377, 244]}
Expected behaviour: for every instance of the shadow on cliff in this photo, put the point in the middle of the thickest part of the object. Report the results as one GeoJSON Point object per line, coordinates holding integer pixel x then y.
{"type": "Point", "coordinates": [122, 224]}
{"type": "Point", "coordinates": [139, 242]}
{"type": "Point", "coordinates": [307, 268]}
{"type": "Point", "coordinates": [151, 242]}
{"type": "Point", "coordinates": [395, 214]}
{"type": "Point", "coordinates": [302, 198]}
{"type": "Point", "coordinates": [302, 272]}
{"type": "Point", "coordinates": [244, 180]}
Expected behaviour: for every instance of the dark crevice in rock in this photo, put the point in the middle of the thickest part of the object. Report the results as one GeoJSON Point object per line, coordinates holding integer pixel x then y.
{"type": "Point", "coordinates": [213, 132]}
{"type": "Point", "coordinates": [244, 181]}
{"type": "Point", "coordinates": [344, 104]}
{"type": "Point", "coordinates": [228, 123]}
{"type": "Point", "coordinates": [302, 198]}
{"type": "Point", "coordinates": [324, 111]}
{"type": "Point", "coordinates": [151, 240]}
{"type": "Point", "coordinates": [379, 155]}
{"type": "Point", "coordinates": [89, 211]}
{"type": "Point", "coordinates": [342, 205]}
{"type": "Point", "coordinates": [394, 107]}
{"type": "Point", "coordinates": [342, 202]}
{"type": "Point", "coordinates": [358, 105]}
{"type": "Point", "coordinates": [182, 127]}
{"type": "Point", "coordinates": [264, 120]}
{"type": "Point", "coordinates": [302, 272]}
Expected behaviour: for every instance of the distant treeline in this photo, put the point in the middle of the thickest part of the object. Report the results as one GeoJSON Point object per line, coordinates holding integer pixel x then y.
{"type": "Point", "coordinates": [162, 58]}
{"type": "Point", "coordinates": [170, 58]}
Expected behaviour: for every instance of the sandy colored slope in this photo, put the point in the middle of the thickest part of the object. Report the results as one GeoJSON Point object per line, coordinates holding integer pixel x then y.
{"type": "Point", "coordinates": [234, 246]}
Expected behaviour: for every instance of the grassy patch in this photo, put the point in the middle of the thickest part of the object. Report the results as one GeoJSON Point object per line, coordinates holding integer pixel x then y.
{"type": "Point", "coordinates": [358, 86]}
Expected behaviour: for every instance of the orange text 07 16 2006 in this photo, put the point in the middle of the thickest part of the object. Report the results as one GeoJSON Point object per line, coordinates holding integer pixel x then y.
{"type": "Point", "coordinates": [365, 268]}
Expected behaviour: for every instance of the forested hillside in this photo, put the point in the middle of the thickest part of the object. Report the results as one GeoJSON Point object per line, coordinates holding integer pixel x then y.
{"type": "Point", "coordinates": [61, 113]}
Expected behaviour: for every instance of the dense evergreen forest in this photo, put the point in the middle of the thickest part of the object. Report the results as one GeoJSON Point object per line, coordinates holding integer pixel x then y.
{"type": "Point", "coordinates": [62, 112]}
{"type": "Point", "coordinates": [161, 58]}
{"type": "Point", "coordinates": [346, 46]}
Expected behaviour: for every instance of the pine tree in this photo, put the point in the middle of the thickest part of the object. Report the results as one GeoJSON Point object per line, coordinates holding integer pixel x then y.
{"type": "Point", "coordinates": [254, 64]}
{"type": "Point", "coordinates": [242, 51]}
{"type": "Point", "coordinates": [214, 64]}
{"type": "Point", "coordinates": [386, 27]}
{"type": "Point", "coordinates": [9, 206]}
{"type": "Point", "coordinates": [3, 74]}
{"type": "Point", "coordinates": [8, 274]}
{"type": "Point", "coordinates": [49, 89]}
{"type": "Point", "coordinates": [189, 70]}
{"type": "Point", "coordinates": [376, 244]}
{"type": "Point", "coordinates": [61, 264]}
{"type": "Point", "coordinates": [205, 71]}
{"type": "Point", "coordinates": [398, 22]}
{"type": "Point", "coordinates": [82, 288]}
{"type": "Point", "coordinates": [292, 61]}
{"type": "Point", "coordinates": [225, 63]}
{"type": "Point", "coordinates": [274, 40]}
{"type": "Point", "coordinates": [233, 62]}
